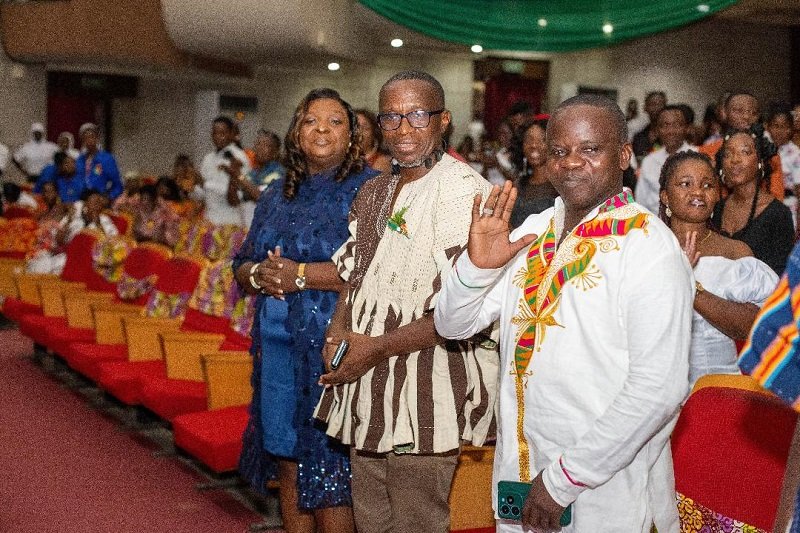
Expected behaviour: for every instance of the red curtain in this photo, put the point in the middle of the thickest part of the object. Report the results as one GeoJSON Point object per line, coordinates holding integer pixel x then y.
{"type": "Point", "coordinates": [67, 113]}
{"type": "Point", "coordinates": [503, 90]}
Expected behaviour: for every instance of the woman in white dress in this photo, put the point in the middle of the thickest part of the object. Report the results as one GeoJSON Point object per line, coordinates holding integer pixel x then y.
{"type": "Point", "coordinates": [731, 284]}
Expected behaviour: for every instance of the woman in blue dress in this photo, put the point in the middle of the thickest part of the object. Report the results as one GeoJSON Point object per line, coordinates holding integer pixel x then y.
{"type": "Point", "coordinates": [300, 221]}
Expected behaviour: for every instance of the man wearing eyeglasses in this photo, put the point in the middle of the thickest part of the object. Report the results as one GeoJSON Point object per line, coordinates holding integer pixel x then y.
{"type": "Point", "coordinates": [402, 398]}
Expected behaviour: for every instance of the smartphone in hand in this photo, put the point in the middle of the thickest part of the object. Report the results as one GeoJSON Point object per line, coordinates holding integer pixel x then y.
{"type": "Point", "coordinates": [341, 350]}
{"type": "Point", "coordinates": [511, 496]}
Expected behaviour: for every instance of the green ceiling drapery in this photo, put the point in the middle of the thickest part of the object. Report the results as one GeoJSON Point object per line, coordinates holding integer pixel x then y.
{"type": "Point", "coordinates": [516, 24]}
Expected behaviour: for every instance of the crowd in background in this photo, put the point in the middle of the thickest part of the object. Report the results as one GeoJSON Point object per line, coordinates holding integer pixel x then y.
{"type": "Point", "coordinates": [726, 188]}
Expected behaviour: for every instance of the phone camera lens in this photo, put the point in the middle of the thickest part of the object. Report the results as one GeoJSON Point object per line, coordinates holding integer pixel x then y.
{"type": "Point", "coordinates": [505, 510]}
{"type": "Point", "coordinates": [515, 511]}
{"type": "Point", "coordinates": [510, 499]}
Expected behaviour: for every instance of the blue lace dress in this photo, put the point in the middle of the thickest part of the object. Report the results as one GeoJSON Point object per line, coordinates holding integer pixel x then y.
{"type": "Point", "coordinates": [288, 337]}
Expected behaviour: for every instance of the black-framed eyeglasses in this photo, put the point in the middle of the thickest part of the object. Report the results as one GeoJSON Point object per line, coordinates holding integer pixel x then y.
{"type": "Point", "coordinates": [416, 119]}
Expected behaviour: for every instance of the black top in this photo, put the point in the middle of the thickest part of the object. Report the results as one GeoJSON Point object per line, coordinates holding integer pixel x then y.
{"type": "Point", "coordinates": [770, 235]}
{"type": "Point", "coordinates": [641, 143]}
{"type": "Point", "coordinates": [533, 198]}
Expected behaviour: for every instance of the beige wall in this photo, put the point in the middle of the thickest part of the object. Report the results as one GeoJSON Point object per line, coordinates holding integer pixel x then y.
{"type": "Point", "coordinates": [23, 100]}
{"type": "Point", "coordinates": [693, 65]}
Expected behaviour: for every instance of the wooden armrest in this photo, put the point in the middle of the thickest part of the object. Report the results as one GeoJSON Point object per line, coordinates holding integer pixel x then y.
{"type": "Point", "coordinates": [108, 323]}
{"type": "Point", "coordinates": [52, 296]}
{"type": "Point", "coordinates": [182, 351]}
{"type": "Point", "coordinates": [227, 376]}
{"type": "Point", "coordinates": [471, 492]}
{"type": "Point", "coordinates": [28, 286]}
{"type": "Point", "coordinates": [78, 310]}
{"type": "Point", "coordinates": [142, 334]}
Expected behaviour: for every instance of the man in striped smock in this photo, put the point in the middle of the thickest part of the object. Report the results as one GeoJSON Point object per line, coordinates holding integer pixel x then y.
{"type": "Point", "coordinates": [404, 399]}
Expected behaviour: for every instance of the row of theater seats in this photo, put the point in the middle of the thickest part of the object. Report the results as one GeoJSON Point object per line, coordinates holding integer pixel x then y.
{"type": "Point", "coordinates": [169, 332]}
{"type": "Point", "coordinates": [169, 335]}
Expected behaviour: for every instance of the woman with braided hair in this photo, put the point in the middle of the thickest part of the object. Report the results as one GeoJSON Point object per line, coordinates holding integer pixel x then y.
{"type": "Point", "coordinates": [750, 213]}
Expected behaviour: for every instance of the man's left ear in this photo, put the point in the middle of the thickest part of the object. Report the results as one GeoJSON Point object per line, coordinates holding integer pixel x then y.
{"type": "Point", "coordinates": [446, 118]}
{"type": "Point", "coordinates": [625, 156]}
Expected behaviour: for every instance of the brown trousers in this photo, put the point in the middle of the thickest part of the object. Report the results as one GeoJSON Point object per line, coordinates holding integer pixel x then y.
{"type": "Point", "coordinates": [401, 493]}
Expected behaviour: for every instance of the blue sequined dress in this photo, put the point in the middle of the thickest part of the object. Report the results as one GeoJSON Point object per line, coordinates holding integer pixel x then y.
{"type": "Point", "coordinates": [288, 337]}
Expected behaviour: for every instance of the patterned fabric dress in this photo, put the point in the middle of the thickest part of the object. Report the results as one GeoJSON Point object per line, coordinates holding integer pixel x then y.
{"type": "Point", "coordinates": [288, 337]}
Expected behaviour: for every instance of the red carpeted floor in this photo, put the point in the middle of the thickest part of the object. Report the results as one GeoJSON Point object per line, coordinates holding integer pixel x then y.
{"type": "Point", "coordinates": [65, 467]}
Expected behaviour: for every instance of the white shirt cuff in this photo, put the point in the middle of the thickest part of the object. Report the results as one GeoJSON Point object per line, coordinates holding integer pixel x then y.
{"type": "Point", "coordinates": [563, 490]}
{"type": "Point", "coordinates": [473, 277]}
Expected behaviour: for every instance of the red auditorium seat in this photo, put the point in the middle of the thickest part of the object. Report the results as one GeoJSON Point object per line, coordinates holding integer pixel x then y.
{"type": "Point", "coordinates": [730, 448]}
{"type": "Point", "coordinates": [214, 437]}
{"type": "Point", "coordinates": [77, 270]}
{"type": "Point", "coordinates": [112, 345]}
{"type": "Point", "coordinates": [53, 317]}
{"type": "Point", "coordinates": [142, 357]}
{"type": "Point", "coordinates": [182, 389]}
{"type": "Point", "coordinates": [144, 265]}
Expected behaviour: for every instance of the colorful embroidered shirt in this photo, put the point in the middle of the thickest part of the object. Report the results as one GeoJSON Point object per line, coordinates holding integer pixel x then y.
{"type": "Point", "coordinates": [771, 354]}
{"type": "Point", "coordinates": [594, 340]}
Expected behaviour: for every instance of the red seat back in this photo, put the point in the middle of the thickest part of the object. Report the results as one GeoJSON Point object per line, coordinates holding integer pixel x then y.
{"type": "Point", "coordinates": [16, 211]}
{"type": "Point", "coordinates": [79, 265]}
{"type": "Point", "coordinates": [730, 448]}
{"type": "Point", "coordinates": [143, 267]}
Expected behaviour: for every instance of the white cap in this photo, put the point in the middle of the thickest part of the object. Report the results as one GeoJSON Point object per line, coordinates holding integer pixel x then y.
{"type": "Point", "coordinates": [86, 127]}
{"type": "Point", "coordinates": [37, 126]}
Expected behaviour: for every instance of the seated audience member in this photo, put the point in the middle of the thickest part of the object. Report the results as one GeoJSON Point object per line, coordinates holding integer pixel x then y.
{"type": "Point", "coordinates": [15, 196]}
{"type": "Point", "coordinates": [535, 192]}
{"type": "Point", "coordinates": [63, 173]}
{"type": "Point", "coordinates": [190, 184]}
{"type": "Point", "coordinates": [266, 169]}
{"type": "Point", "coordinates": [96, 167]}
{"type": "Point", "coordinates": [66, 144]}
{"type": "Point", "coordinates": [712, 127]}
{"type": "Point", "coordinates": [749, 213]}
{"type": "Point", "coordinates": [740, 112]}
{"type": "Point", "coordinates": [372, 141]}
{"type": "Point", "coordinates": [83, 214]}
{"type": "Point", "coordinates": [128, 201]}
{"type": "Point", "coordinates": [53, 208]}
{"type": "Point", "coordinates": [671, 126]}
{"type": "Point", "coordinates": [731, 284]}
{"type": "Point", "coordinates": [646, 139]}
{"type": "Point", "coordinates": [781, 128]}
{"type": "Point", "coordinates": [155, 221]}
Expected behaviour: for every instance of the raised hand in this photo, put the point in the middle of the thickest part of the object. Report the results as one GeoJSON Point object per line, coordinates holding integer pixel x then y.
{"type": "Point", "coordinates": [489, 245]}
{"type": "Point", "coordinates": [690, 248]}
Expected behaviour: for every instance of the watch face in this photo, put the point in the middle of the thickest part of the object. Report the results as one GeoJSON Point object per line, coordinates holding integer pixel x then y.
{"type": "Point", "coordinates": [300, 282]}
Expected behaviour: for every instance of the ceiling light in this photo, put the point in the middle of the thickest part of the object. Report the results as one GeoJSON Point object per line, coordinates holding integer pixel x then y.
{"type": "Point", "coordinates": [608, 28]}
{"type": "Point", "coordinates": [333, 65]}
{"type": "Point", "coordinates": [476, 48]}
{"type": "Point", "coordinates": [397, 43]}
{"type": "Point", "coordinates": [703, 8]}
{"type": "Point", "coordinates": [542, 23]}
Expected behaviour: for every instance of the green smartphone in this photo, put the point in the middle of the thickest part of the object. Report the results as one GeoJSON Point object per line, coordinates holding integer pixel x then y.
{"type": "Point", "coordinates": [511, 497]}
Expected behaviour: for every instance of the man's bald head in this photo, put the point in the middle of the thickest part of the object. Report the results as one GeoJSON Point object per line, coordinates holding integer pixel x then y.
{"type": "Point", "coordinates": [620, 125]}
{"type": "Point", "coordinates": [407, 75]}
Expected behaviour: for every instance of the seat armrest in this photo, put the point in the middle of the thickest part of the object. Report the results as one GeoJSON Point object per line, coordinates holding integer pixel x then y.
{"type": "Point", "coordinates": [183, 349]}
{"type": "Point", "coordinates": [142, 334]}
